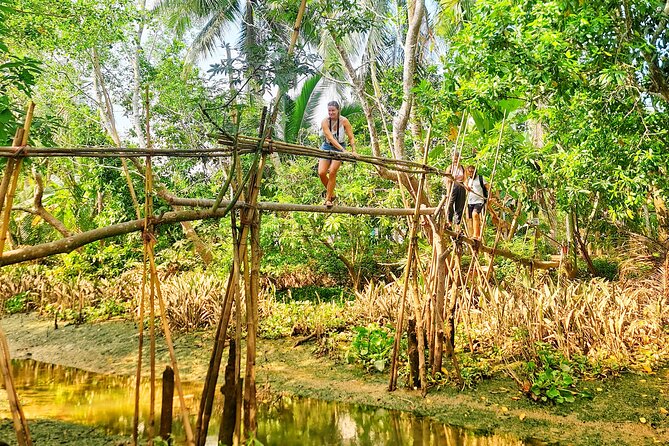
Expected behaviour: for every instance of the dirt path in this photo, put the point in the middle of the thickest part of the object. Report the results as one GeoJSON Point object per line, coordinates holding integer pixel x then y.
{"type": "Point", "coordinates": [615, 415]}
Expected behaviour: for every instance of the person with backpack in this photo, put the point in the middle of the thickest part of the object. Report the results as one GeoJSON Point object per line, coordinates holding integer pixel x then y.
{"type": "Point", "coordinates": [476, 201]}
{"type": "Point", "coordinates": [455, 187]}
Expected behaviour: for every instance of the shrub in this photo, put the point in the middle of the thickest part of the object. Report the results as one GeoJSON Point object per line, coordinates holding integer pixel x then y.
{"type": "Point", "coordinates": [19, 303]}
{"type": "Point", "coordinates": [371, 347]}
{"type": "Point", "coordinates": [552, 377]}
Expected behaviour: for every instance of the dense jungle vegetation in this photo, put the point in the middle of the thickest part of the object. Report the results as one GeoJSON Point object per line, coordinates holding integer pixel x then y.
{"type": "Point", "coordinates": [562, 105]}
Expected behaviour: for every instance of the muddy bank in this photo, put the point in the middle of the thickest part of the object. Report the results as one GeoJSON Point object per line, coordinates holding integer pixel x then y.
{"type": "Point", "coordinates": [627, 410]}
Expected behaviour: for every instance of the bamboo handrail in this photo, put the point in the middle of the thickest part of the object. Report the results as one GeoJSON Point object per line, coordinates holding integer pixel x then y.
{"type": "Point", "coordinates": [246, 145]}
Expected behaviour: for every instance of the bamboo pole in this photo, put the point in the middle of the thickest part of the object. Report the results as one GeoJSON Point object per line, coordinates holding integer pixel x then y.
{"type": "Point", "coordinates": [9, 169]}
{"type": "Point", "coordinates": [15, 171]}
{"type": "Point", "coordinates": [420, 330]}
{"type": "Point", "coordinates": [250, 404]}
{"type": "Point", "coordinates": [138, 374]}
{"type": "Point", "coordinates": [392, 385]}
{"type": "Point", "coordinates": [18, 417]}
{"type": "Point", "coordinates": [78, 240]}
{"type": "Point", "coordinates": [246, 145]}
{"type": "Point", "coordinates": [237, 440]}
{"type": "Point", "coordinates": [206, 402]}
{"type": "Point", "coordinates": [170, 345]}
{"type": "Point", "coordinates": [251, 221]}
{"type": "Point", "coordinates": [239, 251]}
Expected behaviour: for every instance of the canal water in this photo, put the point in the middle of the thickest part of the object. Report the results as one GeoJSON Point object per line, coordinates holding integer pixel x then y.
{"type": "Point", "coordinates": [48, 391]}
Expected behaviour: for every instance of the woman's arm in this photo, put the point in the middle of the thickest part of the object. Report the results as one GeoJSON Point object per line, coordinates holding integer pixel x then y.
{"type": "Point", "coordinates": [329, 137]}
{"type": "Point", "coordinates": [349, 132]}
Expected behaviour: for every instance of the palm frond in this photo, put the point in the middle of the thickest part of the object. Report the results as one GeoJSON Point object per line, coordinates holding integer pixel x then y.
{"type": "Point", "coordinates": [350, 110]}
{"type": "Point", "coordinates": [206, 40]}
{"type": "Point", "coordinates": [302, 108]}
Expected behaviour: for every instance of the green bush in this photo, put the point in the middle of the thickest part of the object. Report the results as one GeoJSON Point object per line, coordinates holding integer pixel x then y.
{"type": "Point", "coordinates": [19, 303]}
{"type": "Point", "coordinates": [606, 268]}
{"type": "Point", "coordinates": [371, 347]}
{"type": "Point", "coordinates": [552, 377]}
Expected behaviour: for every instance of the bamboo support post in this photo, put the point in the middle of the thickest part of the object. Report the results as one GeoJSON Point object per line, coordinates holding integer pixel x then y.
{"type": "Point", "coordinates": [170, 346]}
{"type": "Point", "coordinates": [9, 169]}
{"type": "Point", "coordinates": [18, 417]}
{"type": "Point", "coordinates": [152, 341]}
{"type": "Point", "coordinates": [138, 374]}
{"type": "Point", "coordinates": [166, 403]}
{"type": "Point", "coordinates": [14, 169]}
{"type": "Point", "coordinates": [209, 390]}
{"type": "Point", "coordinates": [251, 277]}
{"type": "Point", "coordinates": [392, 385]}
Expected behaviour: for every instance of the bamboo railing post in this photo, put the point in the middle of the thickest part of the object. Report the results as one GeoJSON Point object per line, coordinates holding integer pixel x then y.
{"type": "Point", "coordinates": [236, 236]}
{"type": "Point", "coordinates": [138, 374]}
{"type": "Point", "coordinates": [170, 346]}
{"type": "Point", "coordinates": [209, 390]}
{"type": "Point", "coordinates": [251, 279]}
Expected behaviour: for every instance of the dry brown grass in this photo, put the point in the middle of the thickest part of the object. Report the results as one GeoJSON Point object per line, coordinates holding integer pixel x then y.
{"type": "Point", "coordinates": [193, 300]}
{"type": "Point", "coordinates": [626, 322]}
{"type": "Point", "coordinates": [622, 324]}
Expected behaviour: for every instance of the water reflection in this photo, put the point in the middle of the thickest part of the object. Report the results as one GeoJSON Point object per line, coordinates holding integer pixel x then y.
{"type": "Point", "coordinates": [299, 421]}
{"type": "Point", "coordinates": [107, 401]}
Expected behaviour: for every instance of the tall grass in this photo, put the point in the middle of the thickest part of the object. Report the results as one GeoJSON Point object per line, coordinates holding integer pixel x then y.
{"type": "Point", "coordinates": [624, 322]}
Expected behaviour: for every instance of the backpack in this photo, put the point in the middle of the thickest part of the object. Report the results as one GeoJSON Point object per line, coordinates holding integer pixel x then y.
{"type": "Point", "coordinates": [483, 188]}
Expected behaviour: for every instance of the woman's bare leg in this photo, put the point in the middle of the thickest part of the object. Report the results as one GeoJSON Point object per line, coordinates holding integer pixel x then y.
{"type": "Point", "coordinates": [476, 217]}
{"type": "Point", "coordinates": [332, 179]}
{"type": "Point", "coordinates": [323, 166]}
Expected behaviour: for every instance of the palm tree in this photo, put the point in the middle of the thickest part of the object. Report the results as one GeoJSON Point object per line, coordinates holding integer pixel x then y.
{"type": "Point", "coordinates": [218, 15]}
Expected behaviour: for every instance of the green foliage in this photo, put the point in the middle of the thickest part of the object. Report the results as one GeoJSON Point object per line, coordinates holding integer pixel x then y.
{"type": "Point", "coordinates": [474, 369]}
{"type": "Point", "coordinates": [344, 17]}
{"type": "Point", "coordinates": [19, 303]}
{"type": "Point", "coordinates": [315, 294]}
{"type": "Point", "coordinates": [552, 377]}
{"type": "Point", "coordinates": [107, 309]}
{"type": "Point", "coordinates": [300, 110]}
{"type": "Point", "coordinates": [296, 318]}
{"type": "Point", "coordinates": [371, 347]}
{"type": "Point", "coordinates": [606, 268]}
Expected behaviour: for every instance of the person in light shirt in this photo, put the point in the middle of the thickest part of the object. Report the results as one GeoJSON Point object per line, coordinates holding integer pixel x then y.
{"type": "Point", "coordinates": [336, 129]}
{"type": "Point", "coordinates": [476, 200]}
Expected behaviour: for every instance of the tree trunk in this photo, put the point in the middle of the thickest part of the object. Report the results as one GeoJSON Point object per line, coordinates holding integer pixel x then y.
{"type": "Point", "coordinates": [229, 393]}
{"type": "Point", "coordinates": [662, 214]}
{"type": "Point", "coordinates": [414, 376]}
{"type": "Point", "coordinates": [136, 78]}
{"type": "Point", "coordinates": [200, 247]}
{"type": "Point", "coordinates": [350, 267]}
{"type": "Point", "coordinates": [39, 208]}
{"type": "Point", "coordinates": [365, 103]}
{"type": "Point", "coordinates": [410, 45]}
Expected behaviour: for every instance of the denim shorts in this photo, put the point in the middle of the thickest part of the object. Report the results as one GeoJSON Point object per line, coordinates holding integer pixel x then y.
{"type": "Point", "coordinates": [330, 148]}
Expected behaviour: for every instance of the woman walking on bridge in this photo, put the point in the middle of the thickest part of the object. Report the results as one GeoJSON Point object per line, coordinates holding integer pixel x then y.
{"type": "Point", "coordinates": [334, 127]}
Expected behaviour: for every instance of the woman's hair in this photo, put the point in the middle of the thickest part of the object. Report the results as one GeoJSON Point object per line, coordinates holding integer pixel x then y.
{"type": "Point", "coordinates": [334, 104]}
